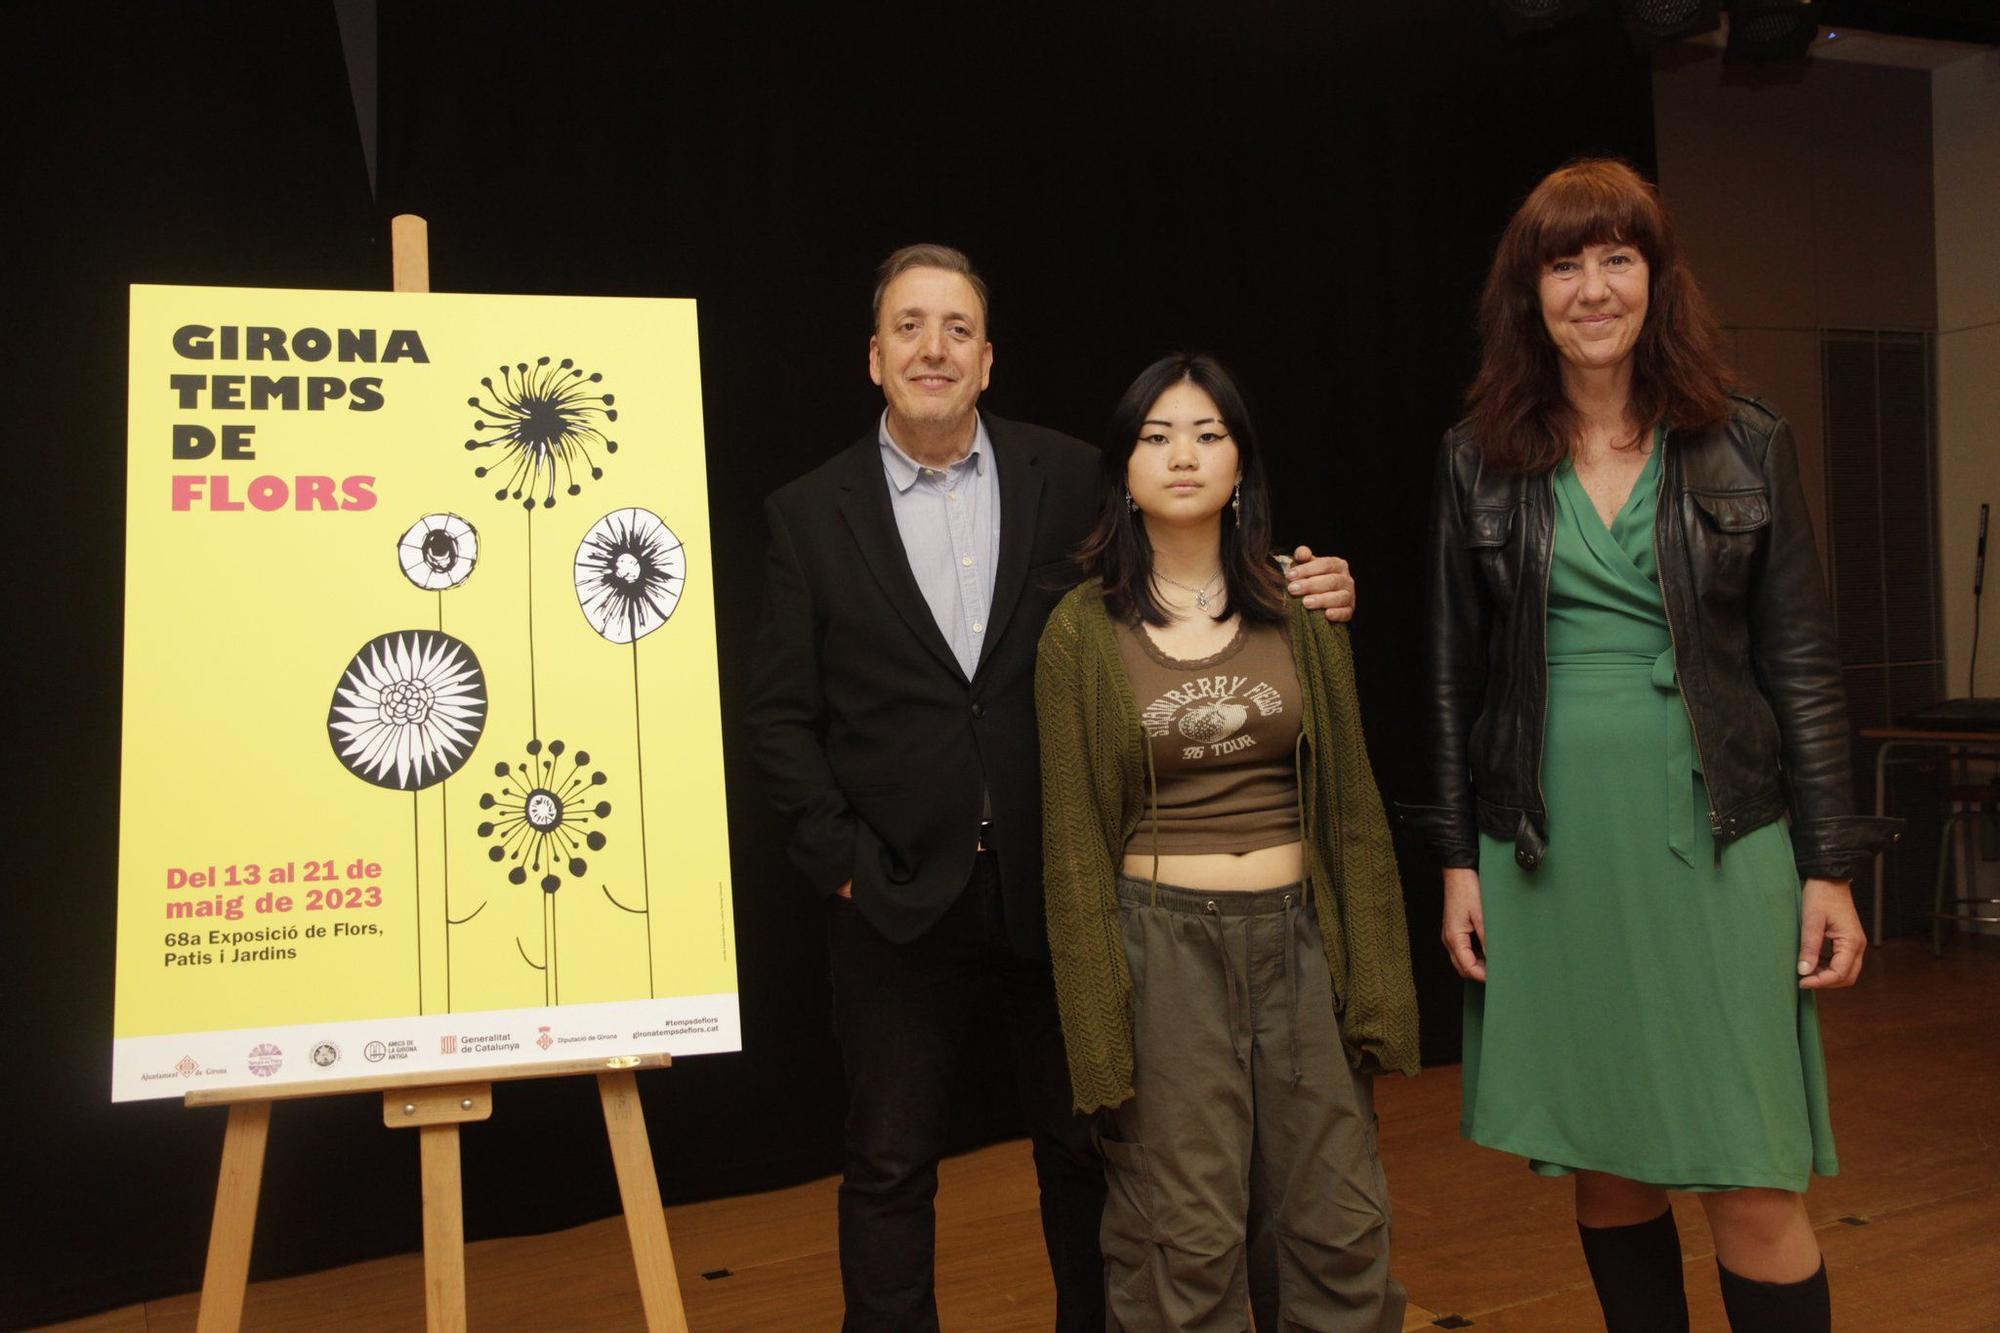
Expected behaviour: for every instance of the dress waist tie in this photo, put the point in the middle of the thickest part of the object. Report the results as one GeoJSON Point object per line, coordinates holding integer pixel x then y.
{"type": "Point", "coordinates": [1676, 738]}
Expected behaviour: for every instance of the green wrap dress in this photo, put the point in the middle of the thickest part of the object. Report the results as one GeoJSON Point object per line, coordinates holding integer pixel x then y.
{"type": "Point", "coordinates": [1641, 1014]}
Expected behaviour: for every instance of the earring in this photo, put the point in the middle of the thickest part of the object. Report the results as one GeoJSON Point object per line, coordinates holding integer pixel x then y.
{"type": "Point", "coordinates": [1236, 500]}
{"type": "Point", "coordinates": [1131, 505]}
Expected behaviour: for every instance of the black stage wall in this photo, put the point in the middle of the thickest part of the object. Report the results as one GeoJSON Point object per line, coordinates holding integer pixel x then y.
{"type": "Point", "coordinates": [1309, 190]}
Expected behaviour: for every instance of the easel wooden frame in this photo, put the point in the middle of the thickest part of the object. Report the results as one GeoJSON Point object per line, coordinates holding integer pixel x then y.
{"type": "Point", "coordinates": [435, 1109]}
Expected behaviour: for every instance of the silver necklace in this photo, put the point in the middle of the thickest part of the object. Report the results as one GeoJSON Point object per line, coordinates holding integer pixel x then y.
{"type": "Point", "coordinates": [1200, 594]}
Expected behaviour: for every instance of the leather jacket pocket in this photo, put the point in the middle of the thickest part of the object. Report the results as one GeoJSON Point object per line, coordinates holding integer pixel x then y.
{"type": "Point", "coordinates": [1724, 541]}
{"type": "Point", "coordinates": [1488, 533]}
{"type": "Point", "coordinates": [1734, 511]}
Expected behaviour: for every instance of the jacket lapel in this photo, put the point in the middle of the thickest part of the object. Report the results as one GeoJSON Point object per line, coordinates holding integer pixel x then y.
{"type": "Point", "coordinates": [1020, 510]}
{"type": "Point", "coordinates": [864, 504]}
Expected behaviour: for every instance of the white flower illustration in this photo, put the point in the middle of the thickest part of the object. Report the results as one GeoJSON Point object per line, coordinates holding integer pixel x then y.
{"type": "Point", "coordinates": [408, 710]}
{"type": "Point", "coordinates": [630, 570]}
{"type": "Point", "coordinates": [438, 551]}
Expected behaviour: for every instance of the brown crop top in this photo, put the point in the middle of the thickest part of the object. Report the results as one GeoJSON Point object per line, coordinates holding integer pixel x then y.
{"type": "Point", "coordinates": [1222, 731]}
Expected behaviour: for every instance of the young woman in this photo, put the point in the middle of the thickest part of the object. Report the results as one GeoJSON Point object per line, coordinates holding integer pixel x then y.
{"type": "Point", "coordinates": [1223, 906]}
{"type": "Point", "coordinates": [1641, 751]}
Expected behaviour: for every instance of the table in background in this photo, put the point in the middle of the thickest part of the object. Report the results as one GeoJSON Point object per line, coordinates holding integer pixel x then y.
{"type": "Point", "coordinates": [1960, 746]}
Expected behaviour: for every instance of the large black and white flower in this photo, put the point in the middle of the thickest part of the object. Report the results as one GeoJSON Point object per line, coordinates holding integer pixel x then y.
{"type": "Point", "coordinates": [408, 710]}
{"type": "Point", "coordinates": [438, 552]}
{"type": "Point", "coordinates": [630, 570]}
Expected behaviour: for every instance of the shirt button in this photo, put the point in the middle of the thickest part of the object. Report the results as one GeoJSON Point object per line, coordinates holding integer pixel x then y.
{"type": "Point", "coordinates": [978, 627]}
{"type": "Point", "coordinates": [979, 710]}
{"type": "Point", "coordinates": [951, 496]}
{"type": "Point", "coordinates": [965, 560]}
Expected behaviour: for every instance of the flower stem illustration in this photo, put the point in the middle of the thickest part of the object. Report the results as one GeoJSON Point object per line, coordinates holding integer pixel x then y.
{"type": "Point", "coordinates": [406, 714]}
{"type": "Point", "coordinates": [630, 572]}
{"type": "Point", "coordinates": [438, 554]}
{"type": "Point", "coordinates": [542, 819]}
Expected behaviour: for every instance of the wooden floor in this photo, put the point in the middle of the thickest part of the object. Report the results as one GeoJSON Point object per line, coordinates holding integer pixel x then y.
{"type": "Point", "coordinates": [1911, 1227]}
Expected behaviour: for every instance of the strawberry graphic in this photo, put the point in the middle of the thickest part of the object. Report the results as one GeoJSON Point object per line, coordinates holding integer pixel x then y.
{"type": "Point", "coordinates": [1212, 721]}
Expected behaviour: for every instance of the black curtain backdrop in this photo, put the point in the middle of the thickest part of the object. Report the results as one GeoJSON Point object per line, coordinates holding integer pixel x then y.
{"type": "Point", "coordinates": [1309, 190]}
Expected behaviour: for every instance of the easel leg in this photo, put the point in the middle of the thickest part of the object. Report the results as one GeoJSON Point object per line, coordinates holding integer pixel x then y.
{"type": "Point", "coordinates": [444, 1229]}
{"type": "Point", "coordinates": [236, 1187]}
{"type": "Point", "coordinates": [645, 1219]}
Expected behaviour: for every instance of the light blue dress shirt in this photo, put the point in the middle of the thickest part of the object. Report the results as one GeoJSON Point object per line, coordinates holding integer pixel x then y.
{"type": "Point", "coordinates": [950, 524]}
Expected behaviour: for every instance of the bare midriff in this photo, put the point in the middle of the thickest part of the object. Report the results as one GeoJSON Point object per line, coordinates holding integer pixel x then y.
{"type": "Point", "coordinates": [1223, 872]}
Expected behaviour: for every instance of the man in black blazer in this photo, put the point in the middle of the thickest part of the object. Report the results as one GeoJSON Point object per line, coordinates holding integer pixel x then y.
{"type": "Point", "coordinates": [892, 700]}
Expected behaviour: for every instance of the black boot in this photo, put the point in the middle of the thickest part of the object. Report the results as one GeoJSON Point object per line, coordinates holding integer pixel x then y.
{"type": "Point", "coordinates": [1777, 1307]}
{"type": "Point", "coordinates": [1637, 1273]}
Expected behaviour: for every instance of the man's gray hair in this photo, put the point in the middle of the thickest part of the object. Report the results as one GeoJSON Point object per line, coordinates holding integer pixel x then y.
{"type": "Point", "coordinates": [929, 255]}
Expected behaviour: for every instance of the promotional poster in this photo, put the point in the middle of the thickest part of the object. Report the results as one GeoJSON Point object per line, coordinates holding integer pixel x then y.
{"type": "Point", "coordinates": [422, 755]}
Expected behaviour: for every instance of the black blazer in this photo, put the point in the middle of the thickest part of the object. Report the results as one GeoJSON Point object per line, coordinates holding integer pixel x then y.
{"type": "Point", "coordinates": [870, 739]}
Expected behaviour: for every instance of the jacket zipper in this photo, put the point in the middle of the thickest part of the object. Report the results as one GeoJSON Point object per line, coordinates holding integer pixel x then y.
{"type": "Point", "coordinates": [1659, 560]}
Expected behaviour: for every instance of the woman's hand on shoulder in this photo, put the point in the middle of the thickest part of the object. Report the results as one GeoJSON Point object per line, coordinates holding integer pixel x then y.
{"type": "Point", "coordinates": [1323, 582]}
{"type": "Point", "coordinates": [1464, 923]}
{"type": "Point", "coordinates": [1828, 921]}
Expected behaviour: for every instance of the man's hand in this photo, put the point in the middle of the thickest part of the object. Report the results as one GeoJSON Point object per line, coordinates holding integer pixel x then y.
{"type": "Point", "coordinates": [1827, 916]}
{"type": "Point", "coordinates": [845, 891]}
{"type": "Point", "coordinates": [1464, 923]}
{"type": "Point", "coordinates": [1324, 583]}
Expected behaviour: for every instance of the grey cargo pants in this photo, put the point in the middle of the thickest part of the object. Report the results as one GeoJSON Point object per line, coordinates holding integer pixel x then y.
{"type": "Point", "coordinates": [1243, 1171]}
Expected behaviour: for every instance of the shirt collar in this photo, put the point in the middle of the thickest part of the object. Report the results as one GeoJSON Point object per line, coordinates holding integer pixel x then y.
{"type": "Point", "coordinates": [904, 471]}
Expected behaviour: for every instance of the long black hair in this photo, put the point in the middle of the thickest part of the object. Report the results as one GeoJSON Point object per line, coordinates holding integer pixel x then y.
{"type": "Point", "coordinates": [1118, 552]}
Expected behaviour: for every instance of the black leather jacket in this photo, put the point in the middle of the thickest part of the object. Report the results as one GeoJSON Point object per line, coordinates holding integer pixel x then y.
{"type": "Point", "coordinates": [1753, 643]}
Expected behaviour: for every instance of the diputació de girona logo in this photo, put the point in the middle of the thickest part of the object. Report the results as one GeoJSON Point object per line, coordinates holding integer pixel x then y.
{"type": "Point", "coordinates": [265, 1059]}
{"type": "Point", "coordinates": [544, 1040]}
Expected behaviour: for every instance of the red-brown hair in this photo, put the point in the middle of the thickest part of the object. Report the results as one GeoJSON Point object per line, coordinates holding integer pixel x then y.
{"type": "Point", "coordinates": [1516, 407]}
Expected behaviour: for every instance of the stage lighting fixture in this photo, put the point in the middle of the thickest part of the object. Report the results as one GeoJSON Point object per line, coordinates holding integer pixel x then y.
{"type": "Point", "coordinates": [1526, 15]}
{"type": "Point", "coordinates": [1651, 21]}
{"type": "Point", "coordinates": [1767, 30]}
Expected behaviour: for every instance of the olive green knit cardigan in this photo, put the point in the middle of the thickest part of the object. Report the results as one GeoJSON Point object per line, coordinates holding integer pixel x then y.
{"type": "Point", "coordinates": [1094, 795]}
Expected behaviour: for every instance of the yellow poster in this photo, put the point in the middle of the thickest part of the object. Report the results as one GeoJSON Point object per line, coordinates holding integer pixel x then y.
{"type": "Point", "coordinates": [422, 757]}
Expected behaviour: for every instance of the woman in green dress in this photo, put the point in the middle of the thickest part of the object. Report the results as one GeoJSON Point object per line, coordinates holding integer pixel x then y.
{"type": "Point", "coordinates": [1641, 777]}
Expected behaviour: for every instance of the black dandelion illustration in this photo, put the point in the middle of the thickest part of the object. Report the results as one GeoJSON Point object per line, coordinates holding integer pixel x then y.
{"type": "Point", "coordinates": [408, 710]}
{"type": "Point", "coordinates": [438, 552]}
{"type": "Point", "coordinates": [545, 419]}
{"type": "Point", "coordinates": [542, 816]}
{"type": "Point", "coordinates": [543, 820]}
{"type": "Point", "coordinates": [630, 570]}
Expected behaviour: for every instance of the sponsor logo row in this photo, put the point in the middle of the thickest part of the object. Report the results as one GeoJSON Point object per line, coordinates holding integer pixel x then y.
{"type": "Point", "coordinates": [266, 1058]}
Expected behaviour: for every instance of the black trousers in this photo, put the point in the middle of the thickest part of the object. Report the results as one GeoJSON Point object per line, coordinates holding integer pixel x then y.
{"type": "Point", "coordinates": [904, 1014]}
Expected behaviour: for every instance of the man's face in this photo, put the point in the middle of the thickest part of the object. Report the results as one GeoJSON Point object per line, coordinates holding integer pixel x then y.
{"type": "Point", "coordinates": [929, 352]}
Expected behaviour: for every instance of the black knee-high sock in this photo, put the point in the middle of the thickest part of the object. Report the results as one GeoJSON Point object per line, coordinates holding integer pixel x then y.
{"type": "Point", "coordinates": [1777, 1307]}
{"type": "Point", "coordinates": [1637, 1272]}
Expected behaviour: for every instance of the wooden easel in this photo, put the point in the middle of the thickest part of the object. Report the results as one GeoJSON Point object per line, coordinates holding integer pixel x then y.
{"type": "Point", "coordinates": [435, 1110]}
